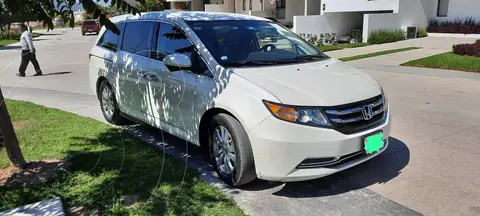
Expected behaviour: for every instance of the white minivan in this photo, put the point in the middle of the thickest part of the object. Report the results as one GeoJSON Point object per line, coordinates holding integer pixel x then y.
{"type": "Point", "coordinates": [257, 98]}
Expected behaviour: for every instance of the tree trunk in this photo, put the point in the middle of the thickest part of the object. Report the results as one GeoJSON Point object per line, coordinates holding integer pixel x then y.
{"type": "Point", "coordinates": [9, 137]}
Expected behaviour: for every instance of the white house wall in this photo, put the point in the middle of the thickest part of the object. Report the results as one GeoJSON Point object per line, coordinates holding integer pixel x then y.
{"type": "Point", "coordinates": [339, 23]}
{"type": "Point", "coordinates": [293, 8]}
{"type": "Point", "coordinates": [411, 13]}
{"type": "Point", "coordinates": [313, 7]}
{"type": "Point", "coordinates": [359, 5]}
{"type": "Point", "coordinates": [460, 9]}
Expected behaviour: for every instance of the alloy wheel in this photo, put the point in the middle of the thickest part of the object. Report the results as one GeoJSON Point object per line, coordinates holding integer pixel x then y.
{"type": "Point", "coordinates": [107, 102]}
{"type": "Point", "coordinates": [224, 150]}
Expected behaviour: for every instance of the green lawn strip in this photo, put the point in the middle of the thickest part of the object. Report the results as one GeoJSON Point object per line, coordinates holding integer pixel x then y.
{"type": "Point", "coordinates": [107, 164]}
{"type": "Point", "coordinates": [447, 60]}
{"type": "Point", "coordinates": [369, 55]}
{"type": "Point", "coordinates": [5, 42]}
{"type": "Point", "coordinates": [326, 48]}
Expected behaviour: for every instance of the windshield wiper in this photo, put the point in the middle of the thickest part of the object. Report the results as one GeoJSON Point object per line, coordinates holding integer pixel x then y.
{"type": "Point", "coordinates": [249, 63]}
{"type": "Point", "coordinates": [310, 57]}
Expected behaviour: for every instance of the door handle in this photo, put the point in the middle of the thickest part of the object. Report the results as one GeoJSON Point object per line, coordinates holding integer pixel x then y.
{"type": "Point", "coordinates": [148, 77]}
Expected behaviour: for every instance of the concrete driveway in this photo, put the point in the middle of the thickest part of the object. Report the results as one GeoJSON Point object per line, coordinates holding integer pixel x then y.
{"type": "Point", "coordinates": [431, 166]}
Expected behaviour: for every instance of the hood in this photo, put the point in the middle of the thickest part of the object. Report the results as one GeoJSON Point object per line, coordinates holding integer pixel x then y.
{"type": "Point", "coordinates": [322, 83]}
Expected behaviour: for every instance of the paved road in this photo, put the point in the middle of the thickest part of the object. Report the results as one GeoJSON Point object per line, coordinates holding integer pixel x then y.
{"type": "Point", "coordinates": [431, 166]}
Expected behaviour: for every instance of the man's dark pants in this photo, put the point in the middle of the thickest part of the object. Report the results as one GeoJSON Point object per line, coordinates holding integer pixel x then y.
{"type": "Point", "coordinates": [27, 56]}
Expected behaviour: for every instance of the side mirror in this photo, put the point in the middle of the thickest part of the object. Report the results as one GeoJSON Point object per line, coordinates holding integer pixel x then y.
{"type": "Point", "coordinates": [177, 61]}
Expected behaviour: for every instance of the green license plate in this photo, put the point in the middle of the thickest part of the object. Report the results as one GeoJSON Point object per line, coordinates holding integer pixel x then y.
{"type": "Point", "coordinates": [373, 143]}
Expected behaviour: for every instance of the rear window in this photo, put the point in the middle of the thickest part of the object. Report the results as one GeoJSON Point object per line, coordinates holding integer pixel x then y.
{"type": "Point", "coordinates": [90, 22]}
{"type": "Point", "coordinates": [109, 40]}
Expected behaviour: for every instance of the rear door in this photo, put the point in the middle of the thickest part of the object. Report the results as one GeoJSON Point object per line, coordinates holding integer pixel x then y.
{"type": "Point", "coordinates": [133, 62]}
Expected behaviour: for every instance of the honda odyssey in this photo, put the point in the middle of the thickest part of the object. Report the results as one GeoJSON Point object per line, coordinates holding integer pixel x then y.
{"type": "Point", "coordinates": [257, 98]}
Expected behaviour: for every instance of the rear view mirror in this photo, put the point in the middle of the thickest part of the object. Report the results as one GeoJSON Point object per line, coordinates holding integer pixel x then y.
{"type": "Point", "coordinates": [177, 61]}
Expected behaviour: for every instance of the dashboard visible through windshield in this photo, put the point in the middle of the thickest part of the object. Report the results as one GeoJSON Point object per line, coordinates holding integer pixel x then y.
{"type": "Point", "coordinates": [236, 43]}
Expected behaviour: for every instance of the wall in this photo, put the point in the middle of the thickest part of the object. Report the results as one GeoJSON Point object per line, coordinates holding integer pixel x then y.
{"type": "Point", "coordinates": [216, 8]}
{"type": "Point", "coordinates": [197, 5]}
{"type": "Point", "coordinates": [411, 13]}
{"type": "Point", "coordinates": [458, 9]}
{"type": "Point", "coordinates": [313, 7]}
{"type": "Point", "coordinates": [293, 8]}
{"type": "Point", "coordinates": [359, 5]}
{"type": "Point", "coordinates": [339, 23]}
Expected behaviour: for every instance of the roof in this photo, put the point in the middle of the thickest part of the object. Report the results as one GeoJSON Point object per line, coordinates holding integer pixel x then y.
{"type": "Point", "coordinates": [187, 16]}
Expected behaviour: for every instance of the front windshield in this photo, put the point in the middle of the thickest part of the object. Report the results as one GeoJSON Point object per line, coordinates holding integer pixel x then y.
{"type": "Point", "coordinates": [253, 42]}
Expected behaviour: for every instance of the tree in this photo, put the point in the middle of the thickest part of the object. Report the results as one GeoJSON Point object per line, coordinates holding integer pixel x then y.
{"type": "Point", "coordinates": [9, 137]}
{"type": "Point", "coordinates": [152, 5]}
{"type": "Point", "coordinates": [46, 10]}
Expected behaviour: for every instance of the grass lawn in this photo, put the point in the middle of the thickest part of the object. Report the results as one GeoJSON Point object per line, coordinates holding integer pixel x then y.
{"type": "Point", "coordinates": [385, 52]}
{"type": "Point", "coordinates": [107, 164]}
{"type": "Point", "coordinates": [326, 48]}
{"type": "Point", "coordinates": [448, 60]}
{"type": "Point", "coordinates": [7, 42]}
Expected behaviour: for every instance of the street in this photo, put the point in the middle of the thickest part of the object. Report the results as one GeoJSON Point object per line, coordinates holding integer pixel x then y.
{"type": "Point", "coordinates": [431, 166]}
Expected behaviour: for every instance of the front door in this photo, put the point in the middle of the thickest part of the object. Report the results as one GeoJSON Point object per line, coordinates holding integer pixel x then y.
{"type": "Point", "coordinates": [176, 94]}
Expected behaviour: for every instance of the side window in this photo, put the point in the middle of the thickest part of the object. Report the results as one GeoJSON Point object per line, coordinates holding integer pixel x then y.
{"type": "Point", "coordinates": [136, 39]}
{"type": "Point", "coordinates": [171, 40]}
{"type": "Point", "coordinates": [109, 40]}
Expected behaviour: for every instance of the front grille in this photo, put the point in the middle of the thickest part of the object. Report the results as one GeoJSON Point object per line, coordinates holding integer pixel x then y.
{"type": "Point", "coordinates": [329, 162]}
{"type": "Point", "coordinates": [348, 118]}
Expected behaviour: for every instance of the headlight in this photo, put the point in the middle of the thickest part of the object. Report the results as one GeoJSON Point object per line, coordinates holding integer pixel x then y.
{"type": "Point", "coordinates": [299, 115]}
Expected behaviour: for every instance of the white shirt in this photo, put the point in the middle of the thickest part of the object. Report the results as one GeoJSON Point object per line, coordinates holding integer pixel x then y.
{"type": "Point", "coordinates": [26, 41]}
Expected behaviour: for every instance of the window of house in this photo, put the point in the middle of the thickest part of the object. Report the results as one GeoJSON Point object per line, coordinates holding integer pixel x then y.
{"type": "Point", "coordinates": [250, 5]}
{"type": "Point", "coordinates": [109, 40]}
{"type": "Point", "coordinates": [171, 40]}
{"type": "Point", "coordinates": [280, 4]}
{"type": "Point", "coordinates": [244, 4]}
{"type": "Point", "coordinates": [442, 9]}
{"type": "Point", "coordinates": [136, 39]}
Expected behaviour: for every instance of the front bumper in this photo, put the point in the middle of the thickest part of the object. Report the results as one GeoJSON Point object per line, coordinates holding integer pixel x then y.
{"type": "Point", "coordinates": [279, 147]}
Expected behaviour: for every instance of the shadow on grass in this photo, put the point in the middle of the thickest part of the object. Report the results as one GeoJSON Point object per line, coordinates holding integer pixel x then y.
{"type": "Point", "coordinates": [114, 170]}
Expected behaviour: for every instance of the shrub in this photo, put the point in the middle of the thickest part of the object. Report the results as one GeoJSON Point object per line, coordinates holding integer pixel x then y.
{"type": "Point", "coordinates": [467, 26]}
{"type": "Point", "coordinates": [467, 49]}
{"type": "Point", "coordinates": [422, 32]}
{"type": "Point", "coordinates": [386, 36]}
{"type": "Point", "coordinates": [356, 34]}
{"type": "Point", "coordinates": [477, 41]}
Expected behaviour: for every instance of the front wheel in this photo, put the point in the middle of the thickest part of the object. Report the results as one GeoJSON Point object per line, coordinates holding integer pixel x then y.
{"type": "Point", "coordinates": [109, 105]}
{"type": "Point", "coordinates": [230, 151]}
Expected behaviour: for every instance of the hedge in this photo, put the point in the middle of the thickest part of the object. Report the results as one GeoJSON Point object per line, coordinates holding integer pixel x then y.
{"type": "Point", "coordinates": [386, 36]}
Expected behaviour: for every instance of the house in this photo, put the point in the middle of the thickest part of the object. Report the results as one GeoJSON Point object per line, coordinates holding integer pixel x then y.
{"type": "Point", "coordinates": [279, 9]}
{"type": "Point", "coordinates": [341, 16]}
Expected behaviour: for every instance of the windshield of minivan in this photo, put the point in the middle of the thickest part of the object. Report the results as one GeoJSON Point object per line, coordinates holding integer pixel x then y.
{"type": "Point", "coordinates": [252, 42]}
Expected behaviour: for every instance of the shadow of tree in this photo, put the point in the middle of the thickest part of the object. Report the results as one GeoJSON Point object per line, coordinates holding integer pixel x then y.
{"type": "Point", "coordinates": [115, 166]}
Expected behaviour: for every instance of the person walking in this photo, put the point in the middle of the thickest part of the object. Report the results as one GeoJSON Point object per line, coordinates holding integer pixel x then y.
{"type": "Point", "coordinates": [28, 52]}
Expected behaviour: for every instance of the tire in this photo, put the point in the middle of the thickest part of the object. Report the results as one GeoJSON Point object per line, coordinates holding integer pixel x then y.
{"type": "Point", "coordinates": [83, 33]}
{"type": "Point", "coordinates": [112, 116]}
{"type": "Point", "coordinates": [244, 169]}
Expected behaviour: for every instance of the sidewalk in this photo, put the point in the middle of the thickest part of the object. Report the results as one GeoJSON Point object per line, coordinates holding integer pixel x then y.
{"type": "Point", "coordinates": [431, 44]}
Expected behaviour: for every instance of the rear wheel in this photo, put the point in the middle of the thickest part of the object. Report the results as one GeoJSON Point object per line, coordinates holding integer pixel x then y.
{"type": "Point", "coordinates": [83, 33]}
{"type": "Point", "coordinates": [230, 151]}
{"type": "Point", "coordinates": [109, 105]}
